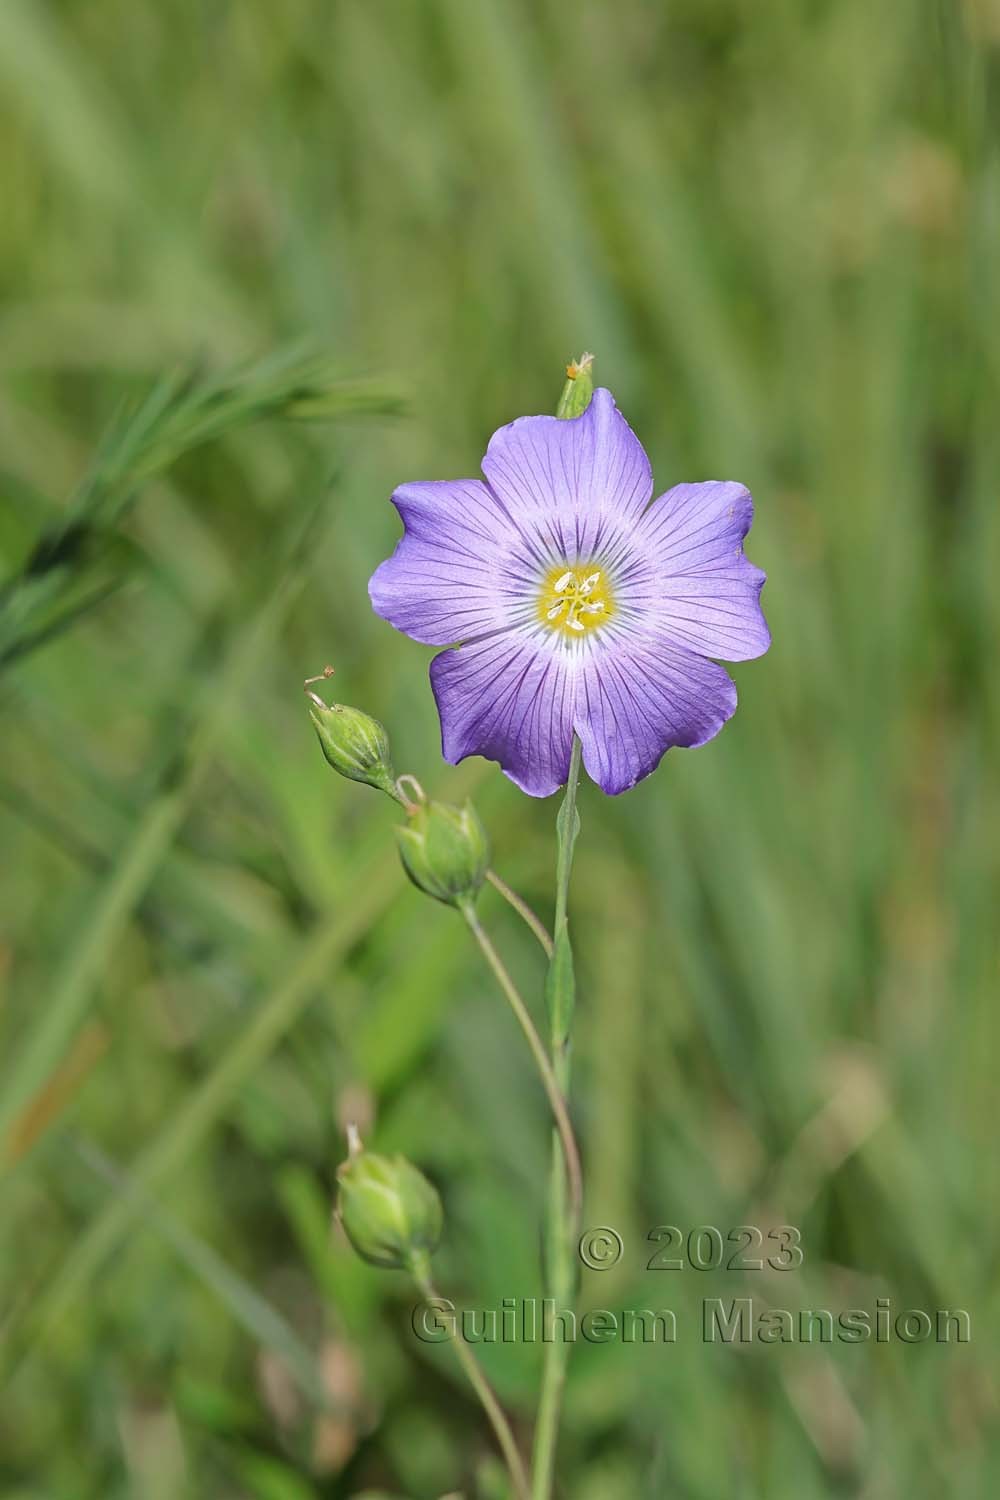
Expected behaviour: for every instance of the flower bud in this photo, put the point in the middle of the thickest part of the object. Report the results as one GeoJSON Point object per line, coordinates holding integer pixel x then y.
{"type": "Point", "coordinates": [355, 744]}
{"type": "Point", "coordinates": [579, 387]}
{"type": "Point", "coordinates": [390, 1212]}
{"type": "Point", "coordinates": [445, 851]}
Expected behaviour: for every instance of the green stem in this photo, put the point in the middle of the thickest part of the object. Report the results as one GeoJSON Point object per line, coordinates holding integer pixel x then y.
{"type": "Point", "coordinates": [568, 827]}
{"type": "Point", "coordinates": [487, 1395]}
{"type": "Point", "coordinates": [523, 910]}
{"type": "Point", "coordinates": [563, 1225]}
{"type": "Point", "coordinates": [564, 1129]}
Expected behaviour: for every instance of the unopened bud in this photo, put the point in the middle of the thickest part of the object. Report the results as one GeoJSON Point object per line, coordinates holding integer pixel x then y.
{"type": "Point", "coordinates": [579, 387]}
{"type": "Point", "coordinates": [390, 1212]}
{"type": "Point", "coordinates": [445, 850]}
{"type": "Point", "coordinates": [355, 744]}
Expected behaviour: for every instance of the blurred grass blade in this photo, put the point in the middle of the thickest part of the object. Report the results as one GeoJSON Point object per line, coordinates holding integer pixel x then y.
{"type": "Point", "coordinates": [260, 1319]}
{"type": "Point", "coordinates": [183, 410]}
{"type": "Point", "coordinates": [115, 899]}
{"type": "Point", "coordinates": [30, 640]}
{"type": "Point", "coordinates": [376, 883]}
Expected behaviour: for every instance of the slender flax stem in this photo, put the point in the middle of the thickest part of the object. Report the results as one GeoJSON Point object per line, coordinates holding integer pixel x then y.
{"type": "Point", "coordinates": [564, 864]}
{"type": "Point", "coordinates": [563, 1220]}
{"type": "Point", "coordinates": [523, 910]}
{"type": "Point", "coordinates": [560, 1113]}
{"type": "Point", "coordinates": [487, 1396]}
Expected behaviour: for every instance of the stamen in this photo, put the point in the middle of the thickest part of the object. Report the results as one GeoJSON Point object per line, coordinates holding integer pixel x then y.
{"type": "Point", "coordinates": [573, 599]}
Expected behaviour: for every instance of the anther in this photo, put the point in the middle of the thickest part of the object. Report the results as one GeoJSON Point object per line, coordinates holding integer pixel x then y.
{"type": "Point", "coordinates": [572, 599]}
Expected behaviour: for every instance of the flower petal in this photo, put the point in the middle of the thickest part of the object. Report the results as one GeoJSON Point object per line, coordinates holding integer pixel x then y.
{"type": "Point", "coordinates": [509, 698]}
{"type": "Point", "coordinates": [567, 482]}
{"type": "Point", "coordinates": [640, 695]}
{"type": "Point", "coordinates": [689, 572]}
{"type": "Point", "coordinates": [459, 569]}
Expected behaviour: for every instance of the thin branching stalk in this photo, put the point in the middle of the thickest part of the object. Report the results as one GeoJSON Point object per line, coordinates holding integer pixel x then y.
{"type": "Point", "coordinates": [564, 1128]}
{"type": "Point", "coordinates": [487, 1395]}
{"type": "Point", "coordinates": [523, 910]}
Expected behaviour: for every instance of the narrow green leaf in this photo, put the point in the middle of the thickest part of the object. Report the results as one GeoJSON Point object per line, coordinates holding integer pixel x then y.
{"type": "Point", "coordinates": [560, 990]}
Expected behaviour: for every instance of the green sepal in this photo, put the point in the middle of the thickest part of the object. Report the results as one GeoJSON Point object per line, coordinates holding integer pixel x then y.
{"type": "Point", "coordinates": [579, 387]}
{"type": "Point", "coordinates": [390, 1212]}
{"type": "Point", "coordinates": [445, 851]}
{"type": "Point", "coordinates": [355, 745]}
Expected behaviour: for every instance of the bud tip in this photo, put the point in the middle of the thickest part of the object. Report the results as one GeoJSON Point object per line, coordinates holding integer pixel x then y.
{"type": "Point", "coordinates": [323, 676]}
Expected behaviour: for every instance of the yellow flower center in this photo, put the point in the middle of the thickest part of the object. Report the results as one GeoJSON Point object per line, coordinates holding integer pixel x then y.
{"type": "Point", "coordinates": [575, 600]}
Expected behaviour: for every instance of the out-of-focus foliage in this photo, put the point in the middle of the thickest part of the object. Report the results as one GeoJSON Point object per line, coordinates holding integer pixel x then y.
{"type": "Point", "coordinates": [776, 223]}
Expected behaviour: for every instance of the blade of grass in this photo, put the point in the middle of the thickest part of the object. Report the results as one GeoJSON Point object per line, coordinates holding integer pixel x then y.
{"type": "Point", "coordinates": [376, 884]}
{"type": "Point", "coordinates": [183, 410]}
{"type": "Point", "coordinates": [258, 1316]}
{"type": "Point", "coordinates": [115, 900]}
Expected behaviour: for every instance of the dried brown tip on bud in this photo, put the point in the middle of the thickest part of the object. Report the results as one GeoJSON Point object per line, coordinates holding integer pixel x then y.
{"type": "Point", "coordinates": [323, 676]}
{"type": "Point", "coordinates": [408, 783]}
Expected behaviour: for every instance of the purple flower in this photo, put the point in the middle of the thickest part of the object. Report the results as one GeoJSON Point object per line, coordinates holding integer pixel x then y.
{"type": "Point", "coordinates": [578, 606]}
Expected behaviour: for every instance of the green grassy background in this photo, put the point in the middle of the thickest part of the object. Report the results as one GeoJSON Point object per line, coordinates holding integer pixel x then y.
{"type": "Point", "coordinates": [777, 225]}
